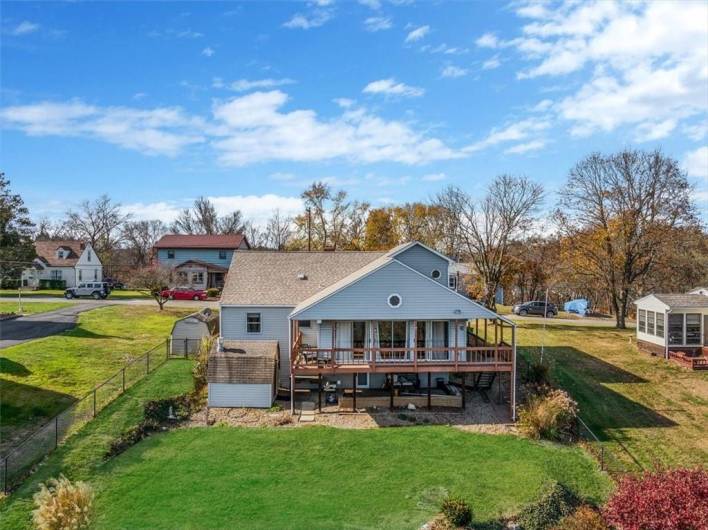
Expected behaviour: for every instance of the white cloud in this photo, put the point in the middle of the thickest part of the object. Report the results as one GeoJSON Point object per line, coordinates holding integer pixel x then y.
{"type": "Point", "coordinates": [244, 85]}
{"type": "Point", "coordinates": [533, 145]}
{"type": "Point", "coordinates": [163, 130]}
{"type": "Point", "coordinates": [488, 40]}
{"type": "Point", "coordinates": [443, 49]}
{"type": "Point", "coordinates": [317, 18]}
{"type": "Point", "coordinates": [454, 71]}
{"type": "Point", "coordinates": [491, 63]}
{"type": "Point", "coordinates": [697, 131]}
{"type": "Point", "coordinates": [377, 23]}
{"type": "Point", "coordinates": [344, 103]}
{"type": "Point", "coordinates": [24, 28]}
{"type": "Point", "coordinates": [433, 177]}
{"type": "Point", "coordinates": [208, 52]}
{"type": "Point", "coordinates": [241, 130]}
{"type": "Point", "coordinates": [253, 128]}
{"type": "Point", "coordinates": [514, 132]}
{"type": "Point", "coordinates": [646, 69]}
{"type": "Point", "coordinates": [373, 4]}
{"type": "Point", "coordinates": [390, 87]}
{"type": "Point", "coordinates": [257, 208]}
{"type": "Point", "coordinates": [417, 34]}
{"type": "Point", "coordinates": [696, 163]}
{"type": "Point", "coordinates": [282, 177]}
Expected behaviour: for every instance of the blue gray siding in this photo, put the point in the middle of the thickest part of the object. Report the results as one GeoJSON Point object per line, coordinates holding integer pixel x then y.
{"type": "Point", "coordinates": [367, 298]}
{"type": "Point", "coordinates": [425, 262]}
{"type": "Point", "coordinates": [202, 254]}
{"type": "Point", "coordinates": [274, 326]}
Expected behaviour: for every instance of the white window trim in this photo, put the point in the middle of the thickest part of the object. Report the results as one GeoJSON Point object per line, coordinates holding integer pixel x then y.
{"type": "Point", "coordinates": [260, 324]}
{"type": "Point", "coordinates": [388, 301]}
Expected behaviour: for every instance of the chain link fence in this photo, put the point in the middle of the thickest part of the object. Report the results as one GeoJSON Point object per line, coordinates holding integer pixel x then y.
{"type": "Point", "coordinates": [18, 462]}
{"type": "Point", "coordinates": [183, 347]}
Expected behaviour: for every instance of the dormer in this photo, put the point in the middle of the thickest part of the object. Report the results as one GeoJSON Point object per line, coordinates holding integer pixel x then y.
{"type": "Point", "coordinates": [63, 253]}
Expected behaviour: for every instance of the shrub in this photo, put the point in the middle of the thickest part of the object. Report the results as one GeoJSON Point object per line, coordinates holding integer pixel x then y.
{"type": "Point", "coordinates": [129, 438]}
{"type": "Point", "coordinates": [666, 500]}
{"type": "Point", "coordinates": [52, 284]}
{"type": "Point", "coordinates": [456, 511]}
{"type": "Point", "coordinates": [199, 372]}
{"type": "Point", "coordinates": [213, 292]}
{"type": "Point", "coordinates": [158, 410]}
{"type": "Point", "coordinates": [554, 504]}
{"type": "Point", "coordinates": [538, 374]}
{"type": "Point", "coordinates": [584, 518]}
{"type": "Point", "coordinates": [62, 505]}
{"type": "Point", "coordinates": [551, 416]}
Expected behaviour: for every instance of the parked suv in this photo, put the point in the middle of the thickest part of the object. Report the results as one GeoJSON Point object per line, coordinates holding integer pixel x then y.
{"type": "Point", "coordinates": [536, 308]}
{"type": "Point", "coordinates": [96, 290]}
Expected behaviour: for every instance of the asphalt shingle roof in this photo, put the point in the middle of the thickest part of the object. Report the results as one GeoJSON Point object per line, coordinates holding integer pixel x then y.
{"type": "Point", "coordinates": [273, 278]}
{"type": "Point", "coordinates": [47, 252]}
{"type": "Point", "coordinates": [244, 362]}
{"type": "Point", "coordinates": [684, 300]}
{"type": "Point", "coordinates": [200, 241]}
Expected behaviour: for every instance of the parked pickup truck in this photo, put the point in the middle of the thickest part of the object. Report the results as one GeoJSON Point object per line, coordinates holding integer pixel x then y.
{"type": "Point", "coordinates": [96, 290]}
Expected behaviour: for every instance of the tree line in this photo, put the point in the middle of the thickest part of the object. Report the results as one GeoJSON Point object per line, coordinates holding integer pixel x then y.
{"type": "Point", "coordinates": [622, 224]}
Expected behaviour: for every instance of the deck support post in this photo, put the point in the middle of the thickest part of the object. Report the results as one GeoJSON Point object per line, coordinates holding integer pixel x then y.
{"type": "Point", "coordinates": [319, 393]}
{"type": "Point", "coordinates": [429, 390]}
{"type": "Point", "coordinates": [464, 399]}
{"type": "Point", "coordinates": [292, 393]}
{"type": "Point", "coordinates": [354, 377]}
{"type": "Point", "coordinates": [390, 383]}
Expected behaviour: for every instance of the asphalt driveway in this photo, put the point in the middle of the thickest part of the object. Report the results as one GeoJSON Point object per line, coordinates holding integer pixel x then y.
{"type": "Point", "coordinates": [40, 325]}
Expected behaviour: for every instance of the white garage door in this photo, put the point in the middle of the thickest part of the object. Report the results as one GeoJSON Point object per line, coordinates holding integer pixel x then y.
{"type": "Point", "coordinates": [240, 395]}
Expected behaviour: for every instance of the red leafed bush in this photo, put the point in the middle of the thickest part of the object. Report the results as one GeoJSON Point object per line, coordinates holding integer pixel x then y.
{"type": "Point", "coordinates": [664, 500]}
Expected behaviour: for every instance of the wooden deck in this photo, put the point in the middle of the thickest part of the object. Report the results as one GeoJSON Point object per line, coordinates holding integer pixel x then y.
{"type": "Point", "coordinates": [693, 362]}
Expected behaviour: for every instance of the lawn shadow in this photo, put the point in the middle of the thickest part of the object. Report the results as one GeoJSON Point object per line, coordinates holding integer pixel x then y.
{"type": "Point", "coordinates": [10, 367]}
{"type": "Point", "coordinates": [84, 333]}
{"type": "Point", "coordinates": [24, 408]}
{"type": "Point", "coordinates": [586, 378]}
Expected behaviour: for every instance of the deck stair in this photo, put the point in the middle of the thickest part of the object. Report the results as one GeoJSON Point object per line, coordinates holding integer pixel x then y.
{"type": "Point", "coordinates": [307, 412]}
{"type": "Point", "coordinates": [484, 380]}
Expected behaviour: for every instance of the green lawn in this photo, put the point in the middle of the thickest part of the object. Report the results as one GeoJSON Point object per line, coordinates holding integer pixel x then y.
{"type": "Point", "coordinates": [42, 377]}
{"type": "Point", "coordinates": [221, 477]}
{"type": "Point", "coordinates": [81, 457]}
{"type": "Point", "coordinates": [657, 410]}
{"type": "Point", "coordinates": [118, 293]}
{"type": "Point", "coordinates": [31, 308]}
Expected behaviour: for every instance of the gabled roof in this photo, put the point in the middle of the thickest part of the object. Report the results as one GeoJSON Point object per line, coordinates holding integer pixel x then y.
{"type": "Point", "coordinates": [474, 309]}
{"type": "Point", "coordinates": [47, 252]}
{"type": "Point", "coordinates": [672, 301]}
{"type": "Point", "coordinates": [259, 277]}
{"type": "Point", "coordinates": [209, 266]}
{"type": "Point", "coordinates": [216, 241]}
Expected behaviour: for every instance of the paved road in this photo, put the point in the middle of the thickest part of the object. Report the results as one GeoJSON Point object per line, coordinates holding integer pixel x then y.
{"type": "Point", "coordinates": [114, 301]}
{"type": "Point", "coordinates": [52, 322]}
{"type": "Point", "coordinates": [40, 325]}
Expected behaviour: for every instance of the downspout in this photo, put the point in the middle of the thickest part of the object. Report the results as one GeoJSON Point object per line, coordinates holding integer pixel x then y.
{"type": "Point", "coordinates": [666, 333]}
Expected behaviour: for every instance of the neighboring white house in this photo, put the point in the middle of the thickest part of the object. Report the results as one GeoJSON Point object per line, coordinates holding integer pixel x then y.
{"type": "Point", "coordinates": [672, 323]}
{"type": "Point", "coordinates": [699, 290]}
{"type": "Point", "coordinates": [68, 261]}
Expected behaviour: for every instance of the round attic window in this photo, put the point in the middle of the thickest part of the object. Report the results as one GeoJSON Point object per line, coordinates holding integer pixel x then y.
{"type": "Point", "coordinates": [435, 274]}
{"type": "Point", "coordinates": [394, 300]}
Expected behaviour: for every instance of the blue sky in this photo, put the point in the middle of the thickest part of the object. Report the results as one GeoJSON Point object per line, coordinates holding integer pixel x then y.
{"type": "Point", "coordinates": [156, 103]}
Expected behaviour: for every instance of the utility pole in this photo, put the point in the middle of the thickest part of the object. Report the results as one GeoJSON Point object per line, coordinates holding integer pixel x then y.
{"type": "Point", "coordinates": [309, 229]}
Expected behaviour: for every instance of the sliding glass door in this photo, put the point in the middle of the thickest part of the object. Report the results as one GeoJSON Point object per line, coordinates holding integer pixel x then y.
{"type": "Point", "coordinates": [393, 334]}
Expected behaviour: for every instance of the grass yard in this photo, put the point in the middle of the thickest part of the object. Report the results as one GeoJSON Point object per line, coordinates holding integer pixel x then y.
{"type": "Point", "coordinates": [81, 457]}
{"type": "Point", "coordinates": [59, 293]}
{"type": "Point", "coordinates": [42, 377]}
{"type": "Point", "coordinates": [31, 308]}
{"type": "Point", "coordinates": [656, 409]}
{"type": "Point", "coordinates": [320, 477]}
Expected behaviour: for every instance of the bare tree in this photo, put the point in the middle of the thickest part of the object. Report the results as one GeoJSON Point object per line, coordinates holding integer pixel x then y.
{"type": "Point", "coordinates": [278, 231]}
{"type": "Point", "coordinates": [255, 235]}
{"type": "Point", "coordinates": [153, 279]}
{"type": "Point", "coordinates": [617, 213]}
{"type": "Point", "coordinates": [140, 238]}
{"type": "Point", "coordinates": [331, 216]}
{"type": "Point", "coordinates": [202, 218]}
{"type": "Point", "coordinates": [487, 228]}
{"type": "Point", "coordinates": [99, 223]}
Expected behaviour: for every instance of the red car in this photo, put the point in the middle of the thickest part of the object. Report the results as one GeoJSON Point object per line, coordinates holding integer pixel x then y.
{"type": "Point", "coordinates": [184, 294]}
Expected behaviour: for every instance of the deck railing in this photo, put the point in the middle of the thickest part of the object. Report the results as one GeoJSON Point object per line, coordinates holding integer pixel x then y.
{"type": "Point", "coordinates": [304, 356]}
